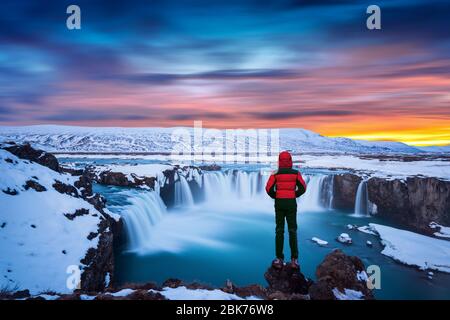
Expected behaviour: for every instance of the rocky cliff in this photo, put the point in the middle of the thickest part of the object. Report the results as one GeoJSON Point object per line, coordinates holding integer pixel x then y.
{"type": "Point", "coordinates": [413, 202]}
{"type": "Point", "coordinates": [74, 209]}
{"type": "Point", "coordinates": [344, 190]}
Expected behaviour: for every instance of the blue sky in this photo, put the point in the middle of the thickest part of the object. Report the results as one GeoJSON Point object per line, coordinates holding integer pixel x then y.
{"type": "Point", "coordinates": [310, 64]}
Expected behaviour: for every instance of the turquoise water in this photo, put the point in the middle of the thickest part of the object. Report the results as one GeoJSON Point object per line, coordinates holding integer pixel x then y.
{"type": "Point", "coordinates": [210, 243]}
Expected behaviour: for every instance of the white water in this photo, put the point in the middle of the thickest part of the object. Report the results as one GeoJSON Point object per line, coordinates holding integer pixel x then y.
{"type": "Point", "coordinates": [233, 186]}
{"type": "Point", "coordinates": [183, 194]}
{"type": "Point", "coordinates": [146, 209]}
{"type": "Point", "coordinates": [361, 202]}
{"type": "Point", "coordinates": [310, 200]}
{"type": "Point", "coordinates": [224, 194]}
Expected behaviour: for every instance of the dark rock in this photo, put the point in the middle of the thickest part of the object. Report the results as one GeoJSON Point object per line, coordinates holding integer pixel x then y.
{"type": "Point", "coordinates": [71, 171]}
{"type": "Point", "coordinates": [251, 290]}
{"type": "Point", "coordinates": [25, 151]}
{"type": "Point", "coordinates": [33, 226]}
{"type": "Point", "coordinates": [344, 190]}
{"type": "Point", "coordinates": [121, 180]}
{"type": "Point", "coordinates": [339, 271]}
{"type": "Point", "coordinates": [287, 280]}
{"type": "Point", "coordinates": [210, 167]}
{"type": "Point", "coordinates": [77, 213]}
{"type": "Point", "coordinates": [73, 296]}
{"type": "Point", "coordinates": [99, 262]}
{"type": "Point", "coordinates": [9, 160]}
{"type": "Point", "coordinates": [11, 192]}
{"type": "Point", "coordinates": [21, 294]}
{"type": "Point", "coordinates": [145, 295]}
{"type": "Point", "coordinates": [172, 283]}
{"type": "Point", "coordinates": [34, 185]}
{"type": "Point", "coordinates": [65, 188]}
{"type": "Point", "coordinates": [413, 203]}
{"type": "Point", "coordinates": [98, 201]}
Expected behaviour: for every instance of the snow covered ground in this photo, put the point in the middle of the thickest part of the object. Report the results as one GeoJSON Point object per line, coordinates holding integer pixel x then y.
{"type": "Point", "coordinates": [442, 231]}
{"type": "Point", "coordinates": [377, 167]}
{"type": "Point", "coordinates": [178, 293]}
{"type": "Point", "coordinates": [37, 242]}
{"type": "Point", "coordinates": [414, 249]}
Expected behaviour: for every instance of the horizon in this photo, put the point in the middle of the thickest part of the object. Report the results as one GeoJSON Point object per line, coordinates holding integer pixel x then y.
{"type": "Point", "coordinates": [191, 127]}
{"type": "Point", "coordinates": [280, 64]}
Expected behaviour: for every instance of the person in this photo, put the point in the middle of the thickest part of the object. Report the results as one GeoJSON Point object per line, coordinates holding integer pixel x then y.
{"type": "Point", "coordinates": [285, 185]}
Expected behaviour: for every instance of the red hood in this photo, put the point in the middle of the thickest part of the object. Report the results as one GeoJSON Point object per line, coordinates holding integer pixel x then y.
{"type": "Point", "coordinates": [285, 160]}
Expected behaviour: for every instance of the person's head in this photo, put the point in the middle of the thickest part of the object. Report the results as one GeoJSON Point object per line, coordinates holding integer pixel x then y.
{"type": "Point", "coordinates": [285, 160]}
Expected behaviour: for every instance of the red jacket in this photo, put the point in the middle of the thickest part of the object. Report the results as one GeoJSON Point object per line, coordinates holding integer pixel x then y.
{"type": "Point", "coordinates": [286, 183]}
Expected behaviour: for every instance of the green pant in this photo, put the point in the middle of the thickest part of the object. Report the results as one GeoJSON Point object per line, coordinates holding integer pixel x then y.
{"type": "Point", "coordinates": [286, 209]}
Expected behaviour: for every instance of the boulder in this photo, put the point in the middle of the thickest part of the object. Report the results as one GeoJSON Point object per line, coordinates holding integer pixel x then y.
{"type": "Point", "coordinates": [339, 271]}
{"type": "Point", "coordinates": [286, 280]}
{"type": "Point", "coordinates": [25, 151]}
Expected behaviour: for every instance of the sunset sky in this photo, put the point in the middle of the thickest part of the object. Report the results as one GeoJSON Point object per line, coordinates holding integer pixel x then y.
{"type": "Point", "coordinates": [249, 63]}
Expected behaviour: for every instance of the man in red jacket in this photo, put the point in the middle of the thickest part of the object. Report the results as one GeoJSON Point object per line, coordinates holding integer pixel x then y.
{"type": "Point", "coordinates": [285, 185]}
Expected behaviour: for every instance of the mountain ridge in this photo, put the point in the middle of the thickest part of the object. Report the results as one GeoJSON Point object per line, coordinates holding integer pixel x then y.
{"type": "Point", "coordinates": [63, 138]}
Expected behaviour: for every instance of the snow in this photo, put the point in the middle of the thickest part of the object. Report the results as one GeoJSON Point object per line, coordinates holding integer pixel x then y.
{"type": "Point", "coordinates": [37, 258]}
{"type": "Point", "coordinates": [366, 229]}
{"type": "Point", "coordinates": [362, 276]}
{"type": "Point", "coordinates": [344, 238]}
{"type": "Point", "coordinates": [444, 232]}
{"type": "Point", "coordinates": [414, 249]}
{"type": "Point", "coordinates": [320, 242]}
{"type": "Point", "coordinates": [377, 167]}
{"type": "Point", "coordinates": [183, 293]}
{"type": "Point", "coordinates": [48, 296]}
{"type": "Point", "coordinates": [348, 294]}
{"type": "Point", "coordinates": [88, 139]}
{"type": "Point", "coordinates": [369, 243]}
{"type": "Point", "coordinates": [122, 293]}
{"type": "Point", "coordinates": [107, 279]}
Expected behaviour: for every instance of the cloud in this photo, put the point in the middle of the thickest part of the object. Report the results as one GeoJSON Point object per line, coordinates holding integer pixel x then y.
{"type": "Point", "coordinates": [236, 74]}
{"type": "Point", "coordinates": [279, 115]}
{"type": "Point", "coordinates": [77, 115]}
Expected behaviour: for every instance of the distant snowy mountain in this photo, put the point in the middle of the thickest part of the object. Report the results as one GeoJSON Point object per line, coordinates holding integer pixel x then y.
{"type": "Point", "coordinates": [435, 149]}
{"type": "Point", "coordinates": [87, 139]}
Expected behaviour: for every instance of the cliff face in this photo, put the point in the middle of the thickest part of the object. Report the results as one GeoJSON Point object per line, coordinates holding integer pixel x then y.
{"type": "Point", "coordinates": [344, 190]}
{"type": "Point", "coordinates": [413, 202]}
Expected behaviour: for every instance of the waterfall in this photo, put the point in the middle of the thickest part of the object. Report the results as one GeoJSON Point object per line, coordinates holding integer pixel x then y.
{"type": "Point", "coordinates": [361, 202]}
{"type": "Point", "coordinates": [143, 212]}
{"type": "Point", "coordinates": [183, 194]}
{"type": "Point", "coordinates": [311, 199]}
{"type": "Point", "coordinates": [232, 185]}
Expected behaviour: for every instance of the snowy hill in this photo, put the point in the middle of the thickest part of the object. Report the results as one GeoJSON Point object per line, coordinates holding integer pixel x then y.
{"type": "Point", "coordinates": [435, 149]}
{"type": "Point", "coordinates": [159, 140]}
{"type": "Point", "coordinates": [43, 230]}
